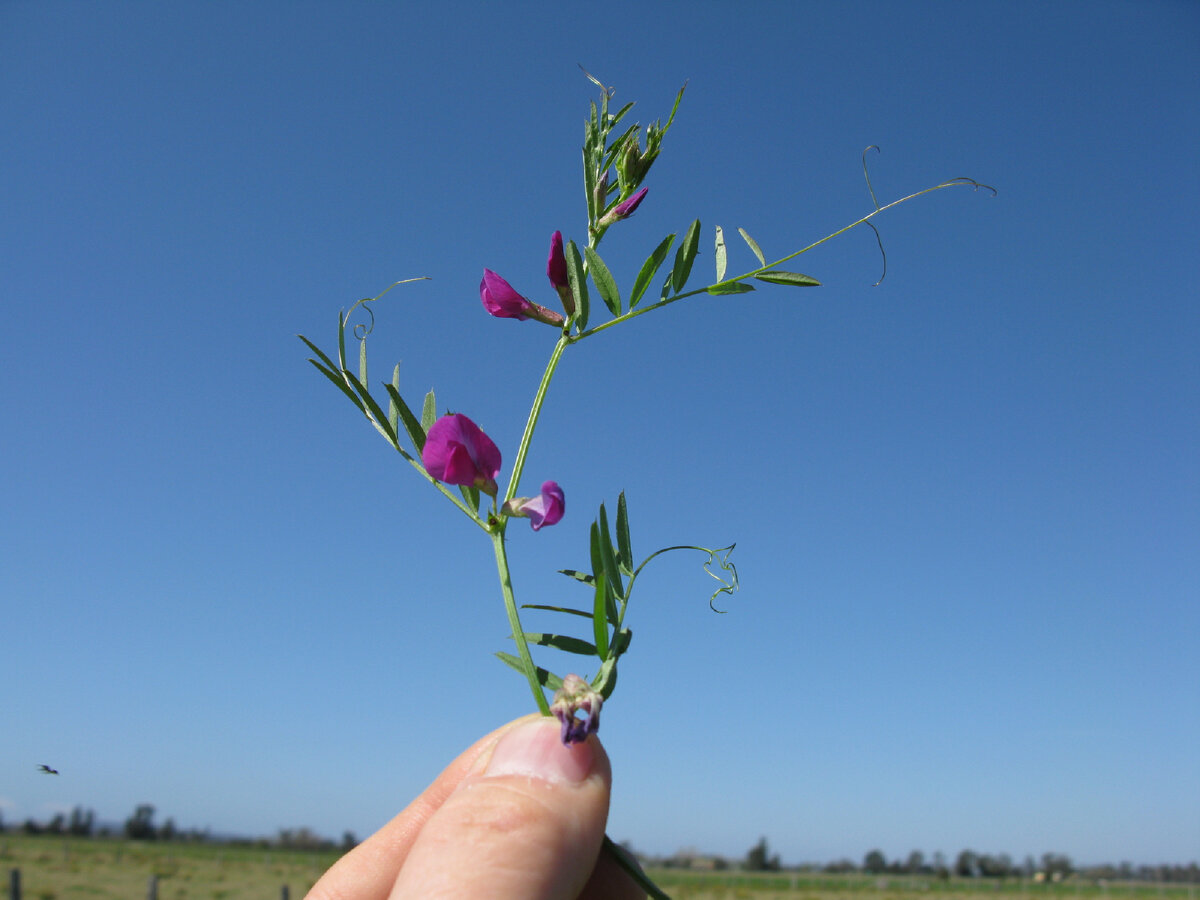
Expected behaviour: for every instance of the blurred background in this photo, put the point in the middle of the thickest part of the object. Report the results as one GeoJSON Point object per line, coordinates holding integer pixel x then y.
{"type": "Point", "coordinates": [965, 501]}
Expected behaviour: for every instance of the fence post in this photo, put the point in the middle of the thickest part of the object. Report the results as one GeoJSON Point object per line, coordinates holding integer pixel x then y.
{"type": "Point", "coordinates": [283, 893]}
{"type": "Point", "coordinates": [14, 884]}
{"type": "Point", "coordinates": [152, 888]}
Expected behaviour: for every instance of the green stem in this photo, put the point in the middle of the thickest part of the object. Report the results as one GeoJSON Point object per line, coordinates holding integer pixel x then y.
{"type": "Point", "coordinates": [634, 313]}
{"type": "Point", "coordinates": [539, 398]}
{"type": "Point", "coordinates": [514, 621]}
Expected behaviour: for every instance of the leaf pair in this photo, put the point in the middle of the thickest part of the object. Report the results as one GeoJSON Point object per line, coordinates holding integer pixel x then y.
{"type": "Point", "coordinates": [611, 565]}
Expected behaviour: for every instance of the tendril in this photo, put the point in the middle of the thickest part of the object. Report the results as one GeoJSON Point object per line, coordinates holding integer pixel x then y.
{"type": "Point", "coordinates": [362, 329]}
{"type": "Point", "coordinates": [727, 587]}
{"type": "Point", "coordinates": [867, 175]}
{"type": "Point", "coordinates": [875, 200]}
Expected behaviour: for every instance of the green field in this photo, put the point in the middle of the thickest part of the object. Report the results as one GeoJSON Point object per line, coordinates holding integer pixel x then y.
{"type": "Point", "coordinates": [99, 869]}
{"type": "Point", "coordinates": [54, 868]}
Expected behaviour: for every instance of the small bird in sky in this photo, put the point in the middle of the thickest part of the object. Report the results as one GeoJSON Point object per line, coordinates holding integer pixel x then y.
{"type": "Point", "coordinates": [47, 770]}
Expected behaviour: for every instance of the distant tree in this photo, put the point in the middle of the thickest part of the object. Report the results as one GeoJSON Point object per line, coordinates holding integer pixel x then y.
{"type": "Point", "coordinates": [57, 825]}
{"type": "Point", "coordinates": [140, 826]}
{"type": "Point", "coordinates": [967, 864]}
{"type": "Point", "coordinates": [349, 841]}
{"type": "Point", "coordinates": [915, 864]}
{"type": "Point", "coordinates": [31, 827]}
{"type": "Point", "coordinates": [168, 831]}
{"type": "Point", "coordinates": [940, 869]}
{"type": "Point", "coordinates": [1057, 866]}
{"type": "Point", "coordinates": [994, 866]}
{"type": "Point", "coordinates": [874, 863]}
{"type": "Point", "coordinates": [840, 867]}
{"type": "Point", "coordinates": [82, 822]}
{"type": "Point", "coordinates": [757, 859]}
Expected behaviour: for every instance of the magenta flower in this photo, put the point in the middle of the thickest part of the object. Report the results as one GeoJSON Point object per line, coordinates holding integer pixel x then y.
{"type": "Point", "coordinates": [556, 271]}
{"type": "Point", "coordinates": [457, 452]}
{"type": "Point", "coordinates": [502, 301]}
{"type": "Point", "coordinates": [556, 265]}
{"type": "Point", "coordinates": [576, 695]}
{"type": "Point", "coordinates": [546, 508]}
{"type": "Point", "coordinates": [624, 209]}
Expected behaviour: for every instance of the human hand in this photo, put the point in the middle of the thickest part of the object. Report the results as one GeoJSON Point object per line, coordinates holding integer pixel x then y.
{"type": "Point", "coordinates": [518, 816]}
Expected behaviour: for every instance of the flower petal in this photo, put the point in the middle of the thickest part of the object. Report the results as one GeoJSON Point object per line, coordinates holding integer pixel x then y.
{"type": "Point", "coordinates": [500, 299]}
{"type": "Point", "coordinates": [546, 508]}
{"type": "Point", "coordinates": [458, 452]}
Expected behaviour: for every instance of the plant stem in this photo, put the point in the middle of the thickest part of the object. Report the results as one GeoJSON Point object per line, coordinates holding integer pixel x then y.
{"type": "Point", "coordinates": [539, 398]}
{"type": "Point", "coordinates": [633, 313]}
{"type": "Point", "coordinates": [514, 621]}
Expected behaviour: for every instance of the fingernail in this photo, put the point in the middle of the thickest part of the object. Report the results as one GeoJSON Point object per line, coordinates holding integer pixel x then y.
{"type": "Point", "coordinates": [536, 749]}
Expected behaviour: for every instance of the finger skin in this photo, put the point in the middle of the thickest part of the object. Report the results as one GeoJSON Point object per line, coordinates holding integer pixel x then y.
{"type": "Point", "coordinates": [369, 871]}
{"type": "Point", "coordinates": [527, 824]}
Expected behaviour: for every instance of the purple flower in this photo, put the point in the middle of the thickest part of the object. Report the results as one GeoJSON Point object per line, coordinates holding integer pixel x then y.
{"type": "Point", "coordinates": [457, 452]}
{"type": "Point", "coordinates": [624, 209]}
{"type": "Point", "coordinates": [556, 271]}
{"type": "Point", "coordinates": [556, 265]}
{"type": "Point", "coordinates": [545, 509]}
{"type": "Point", "coordinates": [502, 301]}
{"type": "Point", "coordinates": [576, 695]}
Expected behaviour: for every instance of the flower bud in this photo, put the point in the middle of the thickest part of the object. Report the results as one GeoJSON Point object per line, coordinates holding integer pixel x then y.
{"type": "Point", "coordinates": [624, 209]}
{"type": "Point", "coordinates": [576, 695]}
{"type": "Point", "coordinates": [556, 271]}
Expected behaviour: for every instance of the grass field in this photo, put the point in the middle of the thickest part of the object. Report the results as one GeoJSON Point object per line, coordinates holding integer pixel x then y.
{"type": "Point", "coordinates": [54, 868]}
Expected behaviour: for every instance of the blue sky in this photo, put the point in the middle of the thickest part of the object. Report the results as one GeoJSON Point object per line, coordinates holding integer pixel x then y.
{"type": "Point", "coordinates": [966, 501]}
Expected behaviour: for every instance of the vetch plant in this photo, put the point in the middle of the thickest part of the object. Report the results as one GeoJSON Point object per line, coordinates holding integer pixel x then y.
{"type": "Point", "coordinates": [451, 451]}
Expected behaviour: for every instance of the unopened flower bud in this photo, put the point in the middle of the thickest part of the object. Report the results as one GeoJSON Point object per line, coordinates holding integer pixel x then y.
{"type": "Point", "coordinates": [556, 271]}
{"type": "Point", "coordinates": [624, 209]}
{"type": "Point", "coordinates": [576, 695]}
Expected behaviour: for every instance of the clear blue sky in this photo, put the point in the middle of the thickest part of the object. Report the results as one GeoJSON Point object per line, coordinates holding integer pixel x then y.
{"type": "Point", "coordinates": [966, 502]}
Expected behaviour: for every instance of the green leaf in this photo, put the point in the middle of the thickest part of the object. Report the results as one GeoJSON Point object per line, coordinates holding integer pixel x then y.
{"type": "Point", "coordinates": [777, 276]}
{"type": "Point", "coordinates": [561, 609]}
{"type": "Point", "coordinates": [762, 260]}
{"type": "Point", "coordinates": [341, 384]}
{"type": "Point", "coordinates": [620, 113]}
{"type": "Point", "coordinates": [594, 548]}
{"type": "Point", "coordinates": [609, 557]}
{"type": "Point", "coordinates": [545, 678]}
{"type": "Point", "coordinates": [685, 256]}
{"type": "Point", "coordinates": [730, 287]}
{"type": "Point", "coordinates": [606, 678]}
{"type": "Point", "coordinates": [604, 281]}
{"type": "Point", "coordinates": [471, 495]}
{"type": "Point", "coordinates": [719, 254]}
{"type": "Point", "coordinates": [341, 340]}
{"type": "Point", "coordinates": [415, 433]}
{"type": "Point", "coordinates": [577, 279]}
{"type": "Point", "coordinates": [393, 409]}
{"type": "Point", "coordinates": [317, 350]}
{"type": "Point", "coordinates": [621, 644]}
{"type": "Point", "coordinates": [378, 419]}
{"type": "Point", "coordinates": [624, 546]}
{"type": "Point", "coordinates": [562, 642]}
{"type": "Point", "coordinates": [578, 576]}
{"type": "Point", "coordinates": [649, 268]}
{"type": "Point", "coordinates": [429, 412]}
{"type": "Point", "coordinates": [600, 617]}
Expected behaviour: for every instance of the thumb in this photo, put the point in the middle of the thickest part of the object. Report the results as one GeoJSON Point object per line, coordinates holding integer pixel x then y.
{"type": "Point", "coordinates": [525, 824]}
